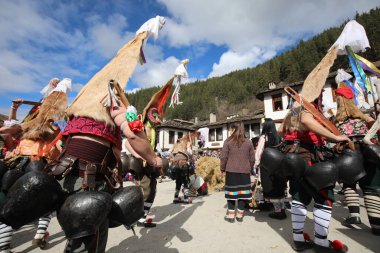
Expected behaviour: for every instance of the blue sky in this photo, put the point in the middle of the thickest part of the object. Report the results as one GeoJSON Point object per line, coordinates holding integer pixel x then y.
{"type": "Point", "coordinates": [41, 39]}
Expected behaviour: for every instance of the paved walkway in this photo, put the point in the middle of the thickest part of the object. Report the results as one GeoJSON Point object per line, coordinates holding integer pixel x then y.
{"type": "Point", "coordinates": [199, 227]}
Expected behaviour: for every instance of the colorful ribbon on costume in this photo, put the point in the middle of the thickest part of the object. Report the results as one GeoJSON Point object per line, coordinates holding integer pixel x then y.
{"type": "Point", "coordinates": [110, 100]}
{"type": "Point", "coordinates": [134, 122]}
{"type": "Point", "coordinates": [354, 90]}
{"type": "Point", "coordinates": [360, 76]}
{"type": "Point", "coordinates": [291, 106]}
{"type": "Point", "coordinates": [367, 65]}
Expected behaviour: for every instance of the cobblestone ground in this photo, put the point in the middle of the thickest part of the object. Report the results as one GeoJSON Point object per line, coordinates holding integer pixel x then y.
{"type": "Point", "coordinates": [199, 227]}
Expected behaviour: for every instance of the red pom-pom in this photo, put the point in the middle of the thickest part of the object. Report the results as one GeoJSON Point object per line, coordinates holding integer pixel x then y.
{"type": "Point", "coordinates": [337, 245]}
{"type": "Point", "coordinates": [149, 220]}
{"type": "Point", "coordinates": [306, 236]}
{"type": "Point", "coordinates": [135, 126]}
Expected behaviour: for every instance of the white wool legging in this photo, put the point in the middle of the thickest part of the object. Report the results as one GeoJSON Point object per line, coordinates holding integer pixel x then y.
{"type": "Point", "coordinates": [6, 233]}
{"type": "Point", "coordinates": [43, 224]}
{"type": "Point", "coordinates": [322, 216]}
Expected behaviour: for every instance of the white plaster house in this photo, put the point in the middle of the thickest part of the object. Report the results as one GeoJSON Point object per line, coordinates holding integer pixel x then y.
{"type": "Point", "coordinates": [218, 130]}
{"type": "Point", "coordinates": [172, 130]}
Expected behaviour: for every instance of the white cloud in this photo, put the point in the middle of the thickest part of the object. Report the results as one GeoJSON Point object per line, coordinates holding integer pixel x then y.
{"type": "Point", "coordinates": [155, 73]}
{"type": "Point", "coordinates": [107, 38]}
{"type": "Point", "coordinates": [231, 61]}
{"type": "Point", "coordinates": [243, 26]}
{"type": "Point", "coordinates": [133, 90]}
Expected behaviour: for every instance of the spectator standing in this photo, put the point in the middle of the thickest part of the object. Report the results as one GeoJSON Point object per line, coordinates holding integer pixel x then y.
{"type": "Point", "coordinates": [237, 159]}
{"type": "Point", "coordinates": [276, 194]}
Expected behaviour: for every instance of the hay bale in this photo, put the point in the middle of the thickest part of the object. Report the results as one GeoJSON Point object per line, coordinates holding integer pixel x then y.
{"type": "Point", "coordinates": [209, 169]}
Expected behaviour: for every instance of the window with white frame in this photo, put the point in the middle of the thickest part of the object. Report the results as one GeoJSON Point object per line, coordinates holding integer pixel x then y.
{"type": "Point", "coordinates": [219, 134]}
{"type": "Point", "coordinates": [215, 134]}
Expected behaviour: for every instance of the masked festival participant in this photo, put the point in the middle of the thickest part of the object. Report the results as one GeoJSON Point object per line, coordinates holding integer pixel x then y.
{"type": "Point", "coordinates": [35, 149]}
{"type": "Point", "coordinates": [146, 178]}
{"type": "Point", "coordinates": [90, 162]}
{"type": "Point", "coordinates": [182, 173]}
{"type": "Point", "coordinates": [150, 118]}
{"type": "Point", "coordinates": [353, 123]}
{"type": "Point", "coordinates": [305, 135]}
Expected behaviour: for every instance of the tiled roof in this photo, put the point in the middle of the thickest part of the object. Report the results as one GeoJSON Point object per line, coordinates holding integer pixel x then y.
{"type": "Point", "coordinates": [177, 125]}
{"type": "Point", "coordinates": [279, 86]}
{"type": "Point", "coordinates": [234, 119]}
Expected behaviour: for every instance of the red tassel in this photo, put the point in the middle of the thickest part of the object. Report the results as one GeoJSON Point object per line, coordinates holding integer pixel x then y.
{"type": "Point", "coordinates": [337, 245]}
{"type": "Point", "coordinates": [306, 236]}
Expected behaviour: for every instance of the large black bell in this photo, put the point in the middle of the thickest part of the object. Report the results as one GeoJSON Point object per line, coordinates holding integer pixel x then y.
{"type": "Point", "coordinates": [321, 175]}
{"type": "Point", "coordinates": [9, 178]}
{"type": "Point", "coordinates": [271, 160]}
{"type": "Point", "coordinates": [293, 166]}
{"type": "Point", "coordinates": [82, 213]}
{"type": "Point", "coordinates": [35, 165]}
{"type": "Point", "coordinates": [136, 167]}
{"type": "Point", "coordinates": [33, 195]}
{"type": "Point", "coordinates": [372, 153]}
{"type": "Point", "coordinates": [350, 167]}
{"type": "Point", "coordinates": [266, 181]}
{"type": "Point", "coordinates": [127, 205]}
{"type": "Point", "coordinates": [124, 163]}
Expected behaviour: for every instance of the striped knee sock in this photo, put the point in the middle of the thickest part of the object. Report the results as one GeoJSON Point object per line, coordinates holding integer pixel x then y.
{"type": "Point", "coordinates": [43, 224]}
{"type": "Point", "coordinates": [372, 204]}
{"type": "Point", "coordinates": [299, 212]}
{"type": "Point", "coordinates": [6, 233]}
{"type": "Point", "coordinates": [352, 200]}
{"type": "Point", "coordinates": [322, 216]}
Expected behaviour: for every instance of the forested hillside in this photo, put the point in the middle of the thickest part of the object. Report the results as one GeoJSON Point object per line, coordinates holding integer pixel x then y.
{"type": "Point", "coordinates": [233, 92]}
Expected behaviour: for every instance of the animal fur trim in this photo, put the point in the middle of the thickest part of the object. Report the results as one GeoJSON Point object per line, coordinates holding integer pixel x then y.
{"type": "Point", "coordinates": [316, 79]}
{"type": "Point", "coordinates": [52, 109]}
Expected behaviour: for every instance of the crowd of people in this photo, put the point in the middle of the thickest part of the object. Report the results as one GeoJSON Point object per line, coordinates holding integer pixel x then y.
{"type": "Point", "coordinates": [305, 159]}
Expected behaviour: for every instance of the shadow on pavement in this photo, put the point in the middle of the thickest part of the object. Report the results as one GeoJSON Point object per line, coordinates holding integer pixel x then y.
{"type": "Point", "coordinates": [163, 234]}
{"type": "Point", "coordinates": [50, 243]}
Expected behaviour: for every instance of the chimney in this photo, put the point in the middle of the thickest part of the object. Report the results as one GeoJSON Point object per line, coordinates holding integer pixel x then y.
{"type": "Point", "coordinates": [245, 111]}
{"type": "Point", "coordinates": [196, 120]}
{"type": "Point", "coordinates": [272, 85]}
{"type": "Point", "coordinates": [212, 117]}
